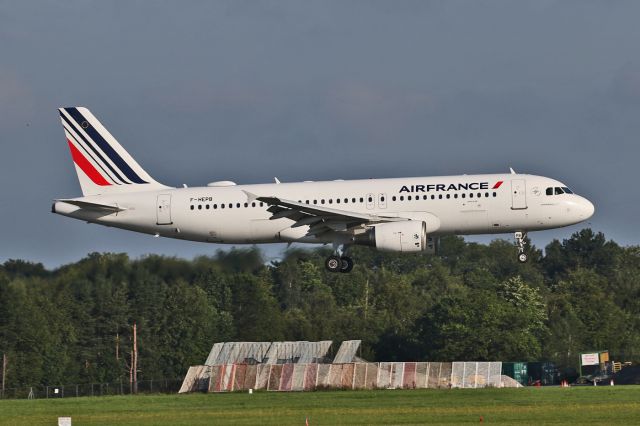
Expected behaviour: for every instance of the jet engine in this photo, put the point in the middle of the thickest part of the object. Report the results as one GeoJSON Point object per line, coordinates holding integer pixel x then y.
{"type": "Point", "coordinates": [406, 237]}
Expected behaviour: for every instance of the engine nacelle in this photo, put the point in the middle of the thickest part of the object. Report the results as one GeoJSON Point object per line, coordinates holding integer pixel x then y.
{"type": "Point", "coordinates": [406, 237]}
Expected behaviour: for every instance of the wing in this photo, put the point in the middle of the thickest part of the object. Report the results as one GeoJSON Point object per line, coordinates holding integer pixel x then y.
{"type": "Point", "coordinates": [320, 219]}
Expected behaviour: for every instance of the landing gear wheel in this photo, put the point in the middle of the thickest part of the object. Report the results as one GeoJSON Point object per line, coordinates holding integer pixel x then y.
{"type": "Point", "coordinates": [347, 264]}
{"type": "Point", "coordinates": [522, 258]}
{"type": "Point", "coordinates": [333, 264]}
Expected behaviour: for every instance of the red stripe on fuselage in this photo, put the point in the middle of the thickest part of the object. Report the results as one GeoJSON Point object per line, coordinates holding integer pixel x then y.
{"type": "Point", "coordinates": [86, 166]}
{"type": "Point", "coordinates": [497, 185]}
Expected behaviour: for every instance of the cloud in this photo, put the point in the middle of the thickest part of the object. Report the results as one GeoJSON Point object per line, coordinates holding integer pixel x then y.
{"type": "Point", "coordinates": [625, 87]}
{"type": "Point", "coordinates": [16, 101]}
{"type": "Point", "coordinates": [379, 113]}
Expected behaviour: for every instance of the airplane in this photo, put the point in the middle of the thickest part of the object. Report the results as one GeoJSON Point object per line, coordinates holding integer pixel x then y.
{"type": "Point", "coordinates": [405, 215]}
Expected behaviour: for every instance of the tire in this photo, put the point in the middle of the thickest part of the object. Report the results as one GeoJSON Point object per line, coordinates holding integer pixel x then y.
{"type": "Point", "coordinates": [522, 258]}
{"type": "Point", "coordinates": [333, 264]}
{"type": "Point", "coordinates": [347, 264]}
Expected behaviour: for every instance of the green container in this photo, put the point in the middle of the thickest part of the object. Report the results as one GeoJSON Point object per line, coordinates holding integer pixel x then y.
{"type": "Point", "coordinates": [517, 371]}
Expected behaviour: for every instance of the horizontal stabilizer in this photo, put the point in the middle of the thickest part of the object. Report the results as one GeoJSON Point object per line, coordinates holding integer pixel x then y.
{"type": "Point", "coordinates": [93, 206]}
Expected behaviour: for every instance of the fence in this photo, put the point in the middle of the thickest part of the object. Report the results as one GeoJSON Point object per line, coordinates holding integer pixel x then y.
{"type": "Point", "coordinates": [305, 377]}
{"type": "Point", "coordinates": [91, 389]}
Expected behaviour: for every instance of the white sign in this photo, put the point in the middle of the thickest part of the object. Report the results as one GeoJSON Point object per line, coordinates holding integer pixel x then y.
{"type": "Point", "coordinates": [590, 359]}
{"type": "Point", "coordinates": [64, 421]}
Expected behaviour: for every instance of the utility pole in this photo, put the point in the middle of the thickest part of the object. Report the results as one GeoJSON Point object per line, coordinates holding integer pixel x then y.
{"type": "Point", "coordinates": [134, 361]}
{"type": "Point", "coordinates": [117, 346]}
{"type": "Point", "coordinates": [4, 371]}
{"type": "Point", "coordinates": [366, 299]}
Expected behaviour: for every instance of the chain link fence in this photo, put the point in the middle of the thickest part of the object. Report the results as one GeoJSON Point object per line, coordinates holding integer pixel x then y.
{"type": "Point", "coordinates": [92, 389]}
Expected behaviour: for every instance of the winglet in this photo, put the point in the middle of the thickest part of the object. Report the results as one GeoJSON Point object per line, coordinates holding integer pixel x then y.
{"type": "Point", "coordinates": [512, 171]}
{"type": "Point", "coordinates": [250, 196]}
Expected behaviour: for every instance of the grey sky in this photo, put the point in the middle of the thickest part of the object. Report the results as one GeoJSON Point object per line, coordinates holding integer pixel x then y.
{"type": "Point", "coordinates": [244, 90]}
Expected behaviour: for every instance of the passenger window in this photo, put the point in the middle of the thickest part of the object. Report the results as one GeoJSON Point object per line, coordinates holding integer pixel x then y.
{"type": "Point", "coordinates": [559, 191]}
{"type": "Point", "coordinates": [495, 194]}
{"type": "Point", "coordinates": [463, 195]}
{"type": "Point", "coordinates": [433, 197]}
{"type": "Point", "coordinates": [206, 206]}
{"type": "Point", "coordinates": [337, 200]}
{"type": "Point", "coordinates": [402, 198]}
{"type": "Point", "coordinates": [192, 207]}
{"type": "Point", "coordinates": [246, 205]}
{"type": "Point", "coordinates": [238, 205]}
{"type": "Point", "coordinates": [222, 206]}
{"type": "Point", "coordinates": [361, 200]}
{"type": "Point", "coordinates": [486, 194]}
{"type": "Point", "coordinates": [370, 199]}
{"type": "Point", "coordinates": [455, 195]}
{"type": "Point", "coordinates": [382, 199]}
{"type": "Point", "coordinates": [479, 194]}
{"type": "Point", "coordinates": [330, 201]}
{"type": "Point", "coordinates": [471, 195]}
{"type": "Point", "coordinates": [353, 200]}
{"type": "Point", "coordinates": [346, 201]}
{"type": "Point", "coordinates": [322, 201]}
{"type": "Point", "coordinates": [199, 206]}
{"type": "Point", "coordinates": [393, 198]}
{"type": "Point", "coordinates": [307, 201]}
{"type": "Point", "coordinates": [215, 206]}
{"type": "Point", "coordinates": [261, 204]}
{"type": "Point", "coordinates": [230, 205]}
{"type": "Point", "coordinates": [440, 196]}
{"type": "Point", "coordinates": [424, 197]}
{"type": "Point", "coordinates": [315, 201]}
{"type": "Point", "coordinates": [254, 204]}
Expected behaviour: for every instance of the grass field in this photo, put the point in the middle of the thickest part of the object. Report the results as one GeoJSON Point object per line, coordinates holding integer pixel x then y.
{"type": "Point", "coordinates": [601, 405]}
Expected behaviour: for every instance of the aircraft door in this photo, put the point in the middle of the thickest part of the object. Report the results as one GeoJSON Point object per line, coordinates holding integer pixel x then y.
{"type": "Point", "coordinates": [371, 202]}
{"type": "Point", "coordinates": [163, 209]}
{"type": "Point", "coordinates": [518, 194]}
{"type": "Point", "coordinates": [382, 201]}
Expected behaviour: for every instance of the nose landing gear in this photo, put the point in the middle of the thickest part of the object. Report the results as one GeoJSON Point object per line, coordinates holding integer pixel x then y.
{"type": "Point", "coordinates": [520, 244]}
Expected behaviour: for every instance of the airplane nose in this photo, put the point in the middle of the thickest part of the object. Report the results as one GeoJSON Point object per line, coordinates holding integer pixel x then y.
{"type": "Point", "coordinates": [587, 208]}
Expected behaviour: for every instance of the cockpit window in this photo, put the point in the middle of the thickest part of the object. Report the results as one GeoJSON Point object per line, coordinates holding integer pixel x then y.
{"type": "Point", "coordinates": [549, 191]}
{"type": "Point", "coordinates": [559, 191]}
{"type": "Point", "coordinates": [567, 190]}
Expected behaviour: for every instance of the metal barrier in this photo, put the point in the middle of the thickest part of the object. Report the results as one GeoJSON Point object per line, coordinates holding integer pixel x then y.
{"type": "Point", "coordinates": [305, 377]}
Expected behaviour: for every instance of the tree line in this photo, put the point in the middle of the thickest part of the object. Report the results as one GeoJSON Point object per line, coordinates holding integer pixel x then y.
{"type": "Point", "coordinates": [469, 302]}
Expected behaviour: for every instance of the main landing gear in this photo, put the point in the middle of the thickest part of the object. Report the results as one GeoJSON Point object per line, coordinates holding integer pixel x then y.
{"type": "Point", "coordinates": [520, 244]}
{"type": "Point", "coordinates": [338, 262]}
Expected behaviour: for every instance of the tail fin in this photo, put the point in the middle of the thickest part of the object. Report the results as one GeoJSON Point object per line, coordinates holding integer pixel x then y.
{"type": "Point", "coordinates": [102, 164]}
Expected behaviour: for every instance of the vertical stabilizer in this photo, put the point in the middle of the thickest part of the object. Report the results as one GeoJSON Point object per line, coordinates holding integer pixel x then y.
{"type": "Point", "coordinates": [102, 164]}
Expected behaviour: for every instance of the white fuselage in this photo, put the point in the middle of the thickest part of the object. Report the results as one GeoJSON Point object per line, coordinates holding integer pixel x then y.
{"type": "Point", "coordinates": [465, 204]}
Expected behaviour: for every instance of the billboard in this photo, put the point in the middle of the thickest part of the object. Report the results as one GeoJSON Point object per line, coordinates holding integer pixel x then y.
{"type": "Point", "coordinates": [589, 359]}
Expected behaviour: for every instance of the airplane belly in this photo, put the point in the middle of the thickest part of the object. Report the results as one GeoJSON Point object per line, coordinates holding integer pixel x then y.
{"type": "Point", "coordinates": [266, 230]}
{"type": "Point", "coordinates": [474, 221]}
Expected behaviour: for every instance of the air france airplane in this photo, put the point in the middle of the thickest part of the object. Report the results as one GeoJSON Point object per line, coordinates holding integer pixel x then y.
{"type": "Point", "coordinates": [397, 215]}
